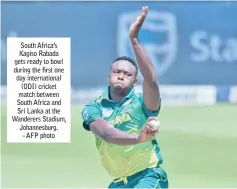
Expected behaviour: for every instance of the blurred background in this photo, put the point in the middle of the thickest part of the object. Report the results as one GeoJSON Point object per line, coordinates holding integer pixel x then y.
{"type": "Point", "coordinates": [193, 46]}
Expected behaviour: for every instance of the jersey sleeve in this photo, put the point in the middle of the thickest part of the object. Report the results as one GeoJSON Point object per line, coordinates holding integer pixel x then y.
{"type": "Point", "coordinates": [147, 112]}
{"type": "Point", "coordinates": [90, 113]}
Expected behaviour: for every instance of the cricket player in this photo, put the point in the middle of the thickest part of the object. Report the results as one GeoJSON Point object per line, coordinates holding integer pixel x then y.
{"type": "Point", "coordinates": [119, 119]}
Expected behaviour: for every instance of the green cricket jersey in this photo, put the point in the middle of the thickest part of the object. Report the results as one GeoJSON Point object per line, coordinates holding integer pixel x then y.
{"type": "Point", "coordinates": [129, 116]}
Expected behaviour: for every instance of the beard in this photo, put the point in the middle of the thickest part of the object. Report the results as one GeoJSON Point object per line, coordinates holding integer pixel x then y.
{"type": "Point", "coordinates": [118, 86]}
{"type": "Point", "coordinates": [120, 89]}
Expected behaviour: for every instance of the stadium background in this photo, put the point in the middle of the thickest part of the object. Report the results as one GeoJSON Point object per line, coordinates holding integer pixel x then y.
{"type": "Point", "coordinates": [196, 45]}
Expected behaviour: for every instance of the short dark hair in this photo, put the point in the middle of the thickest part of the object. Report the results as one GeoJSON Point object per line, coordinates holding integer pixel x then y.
{"type": "Point", "coordinates": [129, 59]}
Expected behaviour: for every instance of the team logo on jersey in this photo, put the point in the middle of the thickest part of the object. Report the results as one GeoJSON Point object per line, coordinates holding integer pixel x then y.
{"type": "Point", "coordinates": [107, 112]}
{"type": "Point", "coordinates": [85, 115]}
{"type": "Point", "coordinates": [158, 36]}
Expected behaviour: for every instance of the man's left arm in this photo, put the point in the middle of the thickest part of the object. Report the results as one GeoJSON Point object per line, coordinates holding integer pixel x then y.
{"type": "Point", "coordinates": [151, 91]}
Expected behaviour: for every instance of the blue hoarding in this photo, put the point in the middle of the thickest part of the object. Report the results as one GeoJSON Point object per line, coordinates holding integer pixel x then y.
{"type": "Point", "coordinates": [190, 43]}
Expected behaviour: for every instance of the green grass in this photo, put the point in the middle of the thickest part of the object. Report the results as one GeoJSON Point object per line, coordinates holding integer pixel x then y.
{"type": "Point", "coordinates": [199, 147]}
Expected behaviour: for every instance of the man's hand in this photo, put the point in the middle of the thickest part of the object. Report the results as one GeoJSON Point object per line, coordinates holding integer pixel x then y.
{"type": "Point", "coordinates": [136, 26]}
{"type": "Point", "coordinates": [147, 131]}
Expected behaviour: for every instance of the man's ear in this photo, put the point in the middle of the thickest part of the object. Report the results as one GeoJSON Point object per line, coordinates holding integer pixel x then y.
{"type": "Point", "coordinates": [135, 82]}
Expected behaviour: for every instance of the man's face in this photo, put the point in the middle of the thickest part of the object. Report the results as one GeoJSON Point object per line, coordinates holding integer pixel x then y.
{"type": "Point", "coordinates": [122, 76]}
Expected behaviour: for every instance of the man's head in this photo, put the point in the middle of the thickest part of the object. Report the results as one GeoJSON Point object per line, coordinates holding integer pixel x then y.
{"type": "Point", "coordinates": [123, 74]}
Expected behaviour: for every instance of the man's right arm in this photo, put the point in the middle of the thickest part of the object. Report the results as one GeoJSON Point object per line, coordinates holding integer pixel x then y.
{"type": "Point", "coordinates": [101, 128]}
{"type": "Point", "coordinates": [107, 132]}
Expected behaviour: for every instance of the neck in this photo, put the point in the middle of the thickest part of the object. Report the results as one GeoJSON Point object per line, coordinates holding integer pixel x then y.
{"type": "Point", "coordinates": [117, 95]}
